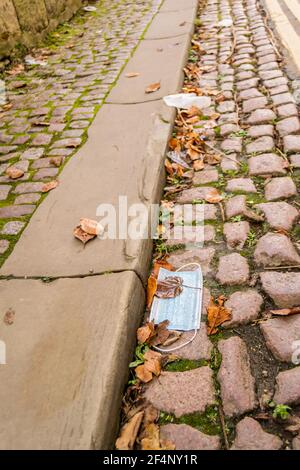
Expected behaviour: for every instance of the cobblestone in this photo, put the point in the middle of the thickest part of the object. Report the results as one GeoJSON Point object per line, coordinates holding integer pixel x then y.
{"type": "Point", "coordinates": [237, 383]}
{"type": "Point", "coordinates": [280, 335]}
{"type": "Point", "coordinates": [233, 270]}
{"type": "Point", "coordinates": [288, 387]}
{"type": "Point", "coordinates": [187, 438]}
{"type": "Point", "coordinates": [280, 215]}
{"type": "Point", "coordinates": [245, 307]}
{"type": "Point", "coordinates": [251, 436]}
{"type": "Point", "coordinates": [275, 249]}
{"type": "Point", "coordinates": [181, 393]}
{"type": "Point", "coordinates": [283, 288]}
{"type": "Point", "coordinates": [280, 188]}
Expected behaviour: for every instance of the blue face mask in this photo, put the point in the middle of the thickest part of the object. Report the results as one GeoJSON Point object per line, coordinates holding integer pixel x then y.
{"type": "Point", "coordinates": [183, 311]}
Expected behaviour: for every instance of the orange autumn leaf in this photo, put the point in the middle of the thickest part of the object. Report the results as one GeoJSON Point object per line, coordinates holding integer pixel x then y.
{"type": "Point", "coordinates": [82, 236]}
{"type": "Point", "coordinates": [132, 74]}
{"type": "Point", "coordinates": [161, 264]}
{"type": "Point", "coordinates": [153, 87]}
{"type": "Point", "coordinates": [217, 314]}
{"type": "Point", "coordinates": [49, 186]}
{"type": "Point", "coordinates": [151, 289]}
{"type": "Point", "coordinates": [169, 167]}
{"type": "Point", "coordinates": [89, 226]}
{"type": "Point", "coordinates": [174, 144]}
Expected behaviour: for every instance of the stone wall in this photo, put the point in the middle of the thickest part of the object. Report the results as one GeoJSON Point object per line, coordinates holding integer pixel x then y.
{"type": "Point", "coordinates": [27, 21]}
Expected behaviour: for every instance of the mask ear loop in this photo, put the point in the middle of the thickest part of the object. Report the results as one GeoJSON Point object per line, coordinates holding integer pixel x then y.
{"type": "Point", "coordinates": [198, 317]}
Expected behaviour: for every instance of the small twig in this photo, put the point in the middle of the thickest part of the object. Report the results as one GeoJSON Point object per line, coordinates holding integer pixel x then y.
{"type": "Point", "coordinates": [220, 152]}
{"type": "Point", "coordinates": [222, 211]}
{"type": "Point", "coordinates": [274, 268]}
{"type": "Point", "coordinates": [223, 425]}
{"type": "Point", "coordinates": [228, 60]}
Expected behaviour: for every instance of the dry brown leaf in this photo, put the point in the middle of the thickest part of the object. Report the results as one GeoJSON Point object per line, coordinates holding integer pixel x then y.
{"type": "Point", "coordinates": [161, 264]}
{"type": "Point", "coordinates": [161, 333]}
{"type": "Point", "coordinates": [19, 68]}
{"type": "Point", "coordinates": [129, 432]}
{"type": "Point", "coordinates": [169, 287]}
{"type": "Point", "coordinates": [49, 186]}
{"type": "Point", "coordinates": [151, 289]}
{"type": "Point", "coordinates": [14, 173]}
{"type": "Point", "coordinates": [143, 373]}
{"type": "Point", "coordinates": [132, 74]}
{"type": "Point", "coordinates": [169, 167]}
{"type": "Point", "coordinates": [56, 161]}
{"type": "Point", "coordinates": [7, 107]}
{"type": "Point", "coordinates": [9, 317]}
{"type": "Point", "coordinates": [153, 87]}
{"type": "Point", "coordinates": [145, 332]}
{"type": "Point", "coordinates": [212, 159]}
{"type": "Point", "coordinates": [213, 197]}
{"type": "Point", "coordinates": [216, 314]}
{"type": "Point", "coordinates": [198, 165]}
{"type": "Point", "coordinates": [82, 236]}
{"type": "Point", "coordinates": [89, 226]}
{"type": "Point", "coordinates": [152, 362]}
{"type": "Point", "coordinates": [151, 439]}
{"type": "Point", "coordinates": [286, 311]}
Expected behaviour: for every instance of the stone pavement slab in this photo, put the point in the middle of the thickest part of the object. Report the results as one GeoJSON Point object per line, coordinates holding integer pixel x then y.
{"type": "Point", "coordinates": [67, 353]}
{"type": "Point", "coordinates": [175, 23]}
{"type": "Point", "coordinates": [178, 5]}
{"type": "Point", "coordinates": [110, 164]}
{"type": "Point", "coordinates": [157, 60]}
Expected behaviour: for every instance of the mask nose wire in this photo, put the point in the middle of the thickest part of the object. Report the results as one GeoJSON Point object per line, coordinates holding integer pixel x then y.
{"type": "Point", "coordinates": [198, 316]}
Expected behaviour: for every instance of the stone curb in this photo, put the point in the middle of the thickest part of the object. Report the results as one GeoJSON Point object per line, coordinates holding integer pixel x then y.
{"type": "Point", "coordinates": [72, 339]}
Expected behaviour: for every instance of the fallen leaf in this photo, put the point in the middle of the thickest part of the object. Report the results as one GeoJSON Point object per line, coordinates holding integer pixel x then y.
{"type": "Point", "coordinates": [145, 332]}
{"type": "Point", "coordinates": [143, 374]}
{"type": "Point", "coordinates": [7, 107]}
{"type": "Point", "coordinates": [56, 161]}
{"type": "Point", "coordinates": [19, 68]}
{"type": "Point", "coordinates": [169, 287]}
{"type": "Point", "coordinates": [213, 196]}
{"type": "Point", "coordinates": [161, 264]}
{"type": "Point", "coordinates": [14, 172]}
{"type": "Point", "coordinates": [49, 186]}
{"type": "Point", "coordinates": [9, 317]}
{"type": "Point", "coordinates": [286, 311]}
{"type": "Point", "coordinates": [152, 362]}
{"type": "Point", "coordinates": [198, 165]}
{"type": "Point", "coordinates": [132, 74]}
{"type": "Point", "coordinates": [169, 167]}
{"type": "Point", "coordinates": [151, 415]}
{"type": "Point", "coordinates": [153, 87]}
{"type": "Point", "coordinates": [89, 226]}
{"type": "Point", "coordinates": [82, 236]}
{"type": "Point", "coordinates": [151, 439]}
{"type": "Point", "coordinates": [161, 333]}
{"type": "Point", "coordinates": [216, 314]}
{"type": "Point", "coordinates": [151, 289]}
{"type": "Point", "coordinates": [129, 432]}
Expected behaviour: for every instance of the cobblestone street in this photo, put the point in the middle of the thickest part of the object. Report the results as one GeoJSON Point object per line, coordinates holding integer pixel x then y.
{"type": "Point", "coordinates": [54, 104]}
{"type": "Point", "coordinates": [222, 391]}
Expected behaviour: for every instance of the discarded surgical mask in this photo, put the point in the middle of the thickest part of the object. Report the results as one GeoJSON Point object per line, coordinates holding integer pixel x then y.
{"type": "Point", "coordinates": [187, 100]}
{"type": "Point", "coordinates": [184, 310]}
